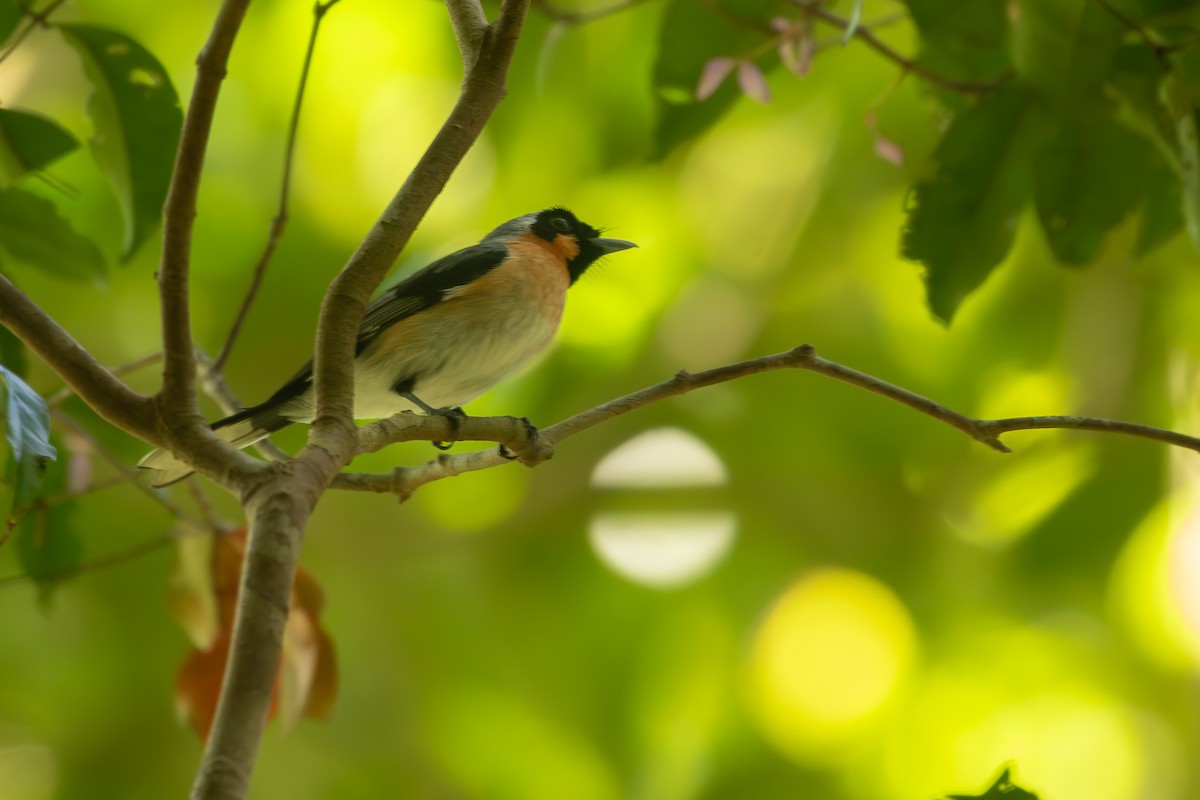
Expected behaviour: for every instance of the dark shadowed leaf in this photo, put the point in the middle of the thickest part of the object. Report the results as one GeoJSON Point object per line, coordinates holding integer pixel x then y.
{"type": "Point", "coordinates": [12, 353]}
{"type": "Point", "coordinates": [962, 219]}
{"type": "Point", "coordinates": [137, 118]}
{"type": "Point", "coordinates": [694, 33]}
{"type": "Point", "coordinates": [1002, 789]}
{"type": "Point", "coordinates": [29, 142]}
{"type": "Point", "coordinates": [10, 17]}
{"type": "Point", "coordinates": [1162, 212]}
{"type": "Point", "coordinates": [32, 232]}
{"type": "Point", "coordinates": [965, 39]}
{"type": "Point", "coordinates": [1065, 49]}
{"type": "Point", "coordinates": [27, 431]}
{"type": "Point", "coordinates": [1086, 179]}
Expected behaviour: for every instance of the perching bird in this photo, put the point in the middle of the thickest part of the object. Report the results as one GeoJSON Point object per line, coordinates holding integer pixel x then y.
{"type": "Point", "coordinates": [444, 335]}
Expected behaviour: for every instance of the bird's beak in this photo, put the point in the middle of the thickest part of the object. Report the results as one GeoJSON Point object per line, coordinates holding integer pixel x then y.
{"type": "Point", "coordinates": [606, 246]}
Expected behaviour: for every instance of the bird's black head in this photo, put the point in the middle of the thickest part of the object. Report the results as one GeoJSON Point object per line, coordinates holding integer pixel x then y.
{"type": "Point", "coordinates": [580, 243]}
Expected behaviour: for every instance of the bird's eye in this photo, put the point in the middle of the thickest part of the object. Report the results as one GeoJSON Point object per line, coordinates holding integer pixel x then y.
{"type": "Point", "coordinates": [561, 225]}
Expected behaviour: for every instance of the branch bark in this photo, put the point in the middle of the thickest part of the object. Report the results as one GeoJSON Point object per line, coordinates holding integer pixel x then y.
{"type": "Point", "coordinates": [280, 498]}
{"type": "Point", "coordinates": [177, 400]}
{"type": "Point", "coordinates": [403, 481]}
{"type": "Point", "coordinates": [108, 395]}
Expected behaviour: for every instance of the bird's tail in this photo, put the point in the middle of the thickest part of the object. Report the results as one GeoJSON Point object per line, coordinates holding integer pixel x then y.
{"type": "Point", "coordinates": [241, 430]}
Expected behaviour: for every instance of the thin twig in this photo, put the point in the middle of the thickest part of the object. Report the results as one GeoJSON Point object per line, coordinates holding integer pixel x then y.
{"type": "Point", "coordinates": [1159, 49]}
{"type": "Point", "coordinates": [110, 397]}
{"type": "Point", "coordinates": [875, 43]}
{"type": "Point", "coordinates": [113, 559]}
{"type": "Point", "coordinates": [177, 400]}
{"type": "Point", "coordinates": [566, 17]}
{"type": "Point", "coordinates": [66, 392]}
{"type": "Point", "coordinates": [403, 481]}
{"type": "Point", "coordinates": [125, 471]}
{"type": "Point", "coordinates": [279, 223]}
{"type": "Point", "coordinates": [35, 19]}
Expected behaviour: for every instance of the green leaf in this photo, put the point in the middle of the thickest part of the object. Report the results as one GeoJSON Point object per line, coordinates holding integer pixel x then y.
{"type": "Point", "coordinates": [1065, 49]}
{"type": "Point", "coordinates": [27, 430]}
{"type": "Point", "coordinates": [49, 546]}
{"type": "Point", "coordinates": [29, 142]}
{"type": "Point", "coordinates": [967, 39]}
{"type": "Point", "coordinates": [1086, 179]}
{"type": "Point", "coordinates": [137, 119]}
{"type": "Point", "coordinates": [1002, 789]}
{"type": "Point", "coordinates": [962, 219]}
{"type": "Point", "coordinates": [1162, 213]}
{"type": "Point", "coordinates": [10, 17]}
{"type": "Point", "coordinates": [1137, 80]}
{"type": "Point", "coordinates": [692, 34]}
{"type": "Point", "coordinates": [32, 232]}
{"type": "Point", "coordinates": [12, 352]}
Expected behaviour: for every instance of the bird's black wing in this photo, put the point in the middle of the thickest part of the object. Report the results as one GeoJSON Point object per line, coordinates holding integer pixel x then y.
{"type": "Point", "coordinates": [428, 287]}
{"type": "Point", "coordinates": [419, 291]}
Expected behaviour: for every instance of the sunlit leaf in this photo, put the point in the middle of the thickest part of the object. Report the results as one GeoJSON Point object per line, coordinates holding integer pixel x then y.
{"type": "Point", "coordinates": [27, 431]}
{"type": "Point", "coordinates": [137, 119]}
{"type": "Point", "coordinates": [191, 593]}
{"type": "Point", "coordinates": [962, 219]}
{"type": "Point", "coordinates": [1065, 49]}
{"type": "Point", "coordinates": [1086, 179]}
{"type": "Point", "coordinates": [32, 232]}
{"type": "Point", "coordinates": [29, 142]}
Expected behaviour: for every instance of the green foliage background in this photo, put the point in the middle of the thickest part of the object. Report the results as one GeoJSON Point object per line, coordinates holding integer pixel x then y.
{"type": "Point", "coordinates": [901, 611]}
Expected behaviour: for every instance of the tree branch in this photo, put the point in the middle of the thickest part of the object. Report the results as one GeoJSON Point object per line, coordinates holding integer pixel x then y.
{"type": "Point", "coordinates": [108, 395]}
{"type": "Point", "coordinates": [279, 223]}
{"type": "Point", "coordinates": [470, 26]}
{"type": "Point", "coordinates": [333, 435]}
{"type": "Point", "coordinates": [403, 481]}
{"type": "Point", "coordinates": [279, 500]}
{"type": "Point", "coordinates": [177, 400]}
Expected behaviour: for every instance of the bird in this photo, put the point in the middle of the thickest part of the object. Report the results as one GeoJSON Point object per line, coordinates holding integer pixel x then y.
{"type": "Point", "coordinates": [443, 335]}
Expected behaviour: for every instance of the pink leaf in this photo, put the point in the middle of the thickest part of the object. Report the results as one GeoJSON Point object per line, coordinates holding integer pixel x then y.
{"type": "Point", "coordinates": [887, 149]}
{"type": "Point", "coordinates": [753, 84]}
{"type": "Point", "coordinates": [797, 53]}
{"type": "Point", "coordinates": [713, 75]}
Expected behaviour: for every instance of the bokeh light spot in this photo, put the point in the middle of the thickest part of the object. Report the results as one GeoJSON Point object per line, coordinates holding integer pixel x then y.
{"type": "Point", "coordinates": [662, 457]}
{"type": "Point", "coordinates": [826, 660]}
{"type": "Point", "coordinates": [663, 550]}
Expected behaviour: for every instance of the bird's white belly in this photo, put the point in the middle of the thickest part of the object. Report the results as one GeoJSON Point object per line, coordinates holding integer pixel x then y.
{"type": "Point", "coordinates": [465, 362]}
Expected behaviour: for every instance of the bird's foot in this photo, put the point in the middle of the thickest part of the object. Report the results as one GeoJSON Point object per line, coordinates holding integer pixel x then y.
{"type": "Point", "coordinates": [531, 435]}
{"type": "Point", "coordinates": [454, 416]}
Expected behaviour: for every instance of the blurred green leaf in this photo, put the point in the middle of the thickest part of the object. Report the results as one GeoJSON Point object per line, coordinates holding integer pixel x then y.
{"type": "Point", "coordinates": [1086, 179]}
{"type": "Point", "coordinates": [137, 118]}
{"type": "Point", "coordinates": [10, 17]}
{"type": "Point", "coordinates": [29, 142]}
{"type": "Point", "coordinates": [27, 430]}
{"type": "Point", "coordinates": [1162, 212]}
{"type": "Point", "coordinates": [12, 352]}
{"type": "Point", "coordinates": [49, 546]}
{"type": "Point", "coordinates": [1137, 79]}
{"type": "Point", "coordinates": [967, 39]}
{"type": "Point", "coordinates": [963, 218]}
{"type": "Point", "coordinates": [1065, 49]}
{"type": "Point", "coordinates": [32, 232]}
{"type": "Point", "coordinates": [693, 34]}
